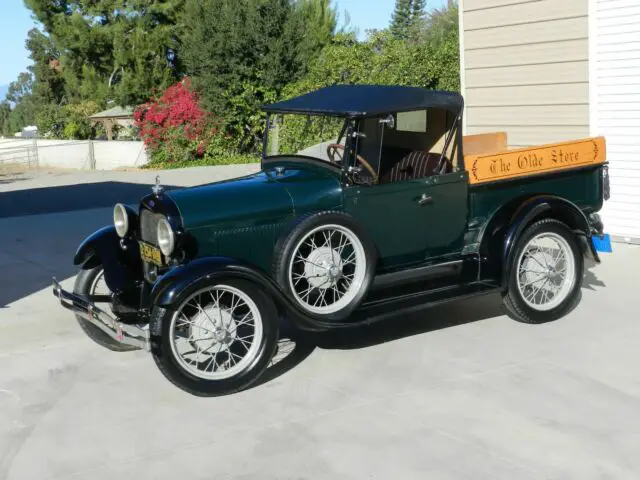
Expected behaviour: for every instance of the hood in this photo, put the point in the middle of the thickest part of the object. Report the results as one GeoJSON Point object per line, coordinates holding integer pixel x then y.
{"type": "Point", "coordinates": [278, 191]}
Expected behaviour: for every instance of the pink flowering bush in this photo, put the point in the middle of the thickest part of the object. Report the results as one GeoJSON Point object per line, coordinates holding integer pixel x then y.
{"type": "Point", "coordinates": [174, 127]}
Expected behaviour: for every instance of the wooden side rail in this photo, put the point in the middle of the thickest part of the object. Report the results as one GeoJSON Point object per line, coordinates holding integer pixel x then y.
{"type": "Point", "coordinates": [523, 162]}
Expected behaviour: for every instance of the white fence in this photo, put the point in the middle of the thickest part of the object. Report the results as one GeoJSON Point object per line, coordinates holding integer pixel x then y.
{"type": "Point", "coordinates": [24, 154]}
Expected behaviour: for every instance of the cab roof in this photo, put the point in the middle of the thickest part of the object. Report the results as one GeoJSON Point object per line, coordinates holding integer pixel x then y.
{"type": "Point", "coordinates": [362, 101]}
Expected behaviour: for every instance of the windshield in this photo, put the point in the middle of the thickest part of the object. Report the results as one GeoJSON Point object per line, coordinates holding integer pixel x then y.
{"type": "Point", "coordinates": [307, 135]}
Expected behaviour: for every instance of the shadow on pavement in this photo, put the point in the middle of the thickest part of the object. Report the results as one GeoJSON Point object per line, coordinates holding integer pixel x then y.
{"type": "Point", "coordinates": [33, 251]}
{"type": "Point", "coordinates": [590, 280]}
{"type": "Point", "coordinates": [296, 347]}
{"type": "Point", "coordinates": [68, 198]}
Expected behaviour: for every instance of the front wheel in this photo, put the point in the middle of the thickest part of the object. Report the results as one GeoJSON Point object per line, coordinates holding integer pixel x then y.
{"type": "Point", "coordinates": [219, 339]}
{"type": "Point", "coordinates": [546, 274]}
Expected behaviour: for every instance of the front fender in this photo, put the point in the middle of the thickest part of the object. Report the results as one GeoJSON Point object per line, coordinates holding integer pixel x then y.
{"type": "Point", "coordinates": [87, 253]}
{"type": "Point", "coordinates": [119, 257]}
{"type": "Point", "coordinates": [544, 206]}
{"type": "Point", "coordinates": [172, 287]}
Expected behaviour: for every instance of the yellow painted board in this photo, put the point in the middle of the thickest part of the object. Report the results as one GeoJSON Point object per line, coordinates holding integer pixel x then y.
{"type": "Point", "coordinates": [544, 159]}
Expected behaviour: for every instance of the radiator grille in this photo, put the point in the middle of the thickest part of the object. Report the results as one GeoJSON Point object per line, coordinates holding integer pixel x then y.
{"type": "Point", "coordinates": [149, 226]}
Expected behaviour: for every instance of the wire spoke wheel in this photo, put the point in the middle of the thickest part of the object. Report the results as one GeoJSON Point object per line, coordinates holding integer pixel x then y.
{"type": "Point", "coordinates": [91, 284]}
{"type": "Point", "coordinates": [327, 269]}
{"type": "Point", "coordinates": [546, 271]}
{"type": "Point", "coordinates": [99, 289]}
{"type": "Point", "coordinates": [216, 332]}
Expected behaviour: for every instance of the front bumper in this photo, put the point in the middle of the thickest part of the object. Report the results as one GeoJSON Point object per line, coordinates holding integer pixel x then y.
{"type": "Point", "coordinates": [118, 331]}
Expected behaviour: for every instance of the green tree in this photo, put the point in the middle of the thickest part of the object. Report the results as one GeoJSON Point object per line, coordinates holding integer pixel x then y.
{"type": "Point", "coordinates": [401, 18]}
{"type": "Point", "coordinates": [242, 53]}
{"type": "Point", "coordinates": [108, 49]}
{"type": "Point", "coordinates": [441, 33]}
{"type": "Point", "coordinates": [441, 25]}
{"type": "Point", "coordinates": [48, 84]}
{"type": "Point", "coordinates": [5, 113]}
{"type": "Point", "coordinates": [417, 17]}
{"type": "Point", "coordinates": [20, 89]}
{"type": "Point", "coordinates": [318, 22]}
{"type": "Point", "coordinates": [382, 59]}
{"type": "Point", "coordinates": [20, 99]}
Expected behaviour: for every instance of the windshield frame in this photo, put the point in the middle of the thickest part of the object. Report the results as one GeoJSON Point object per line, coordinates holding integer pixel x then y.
{"type": "Point", "coordinates": [350, 132]}
{"type": "Point", "coordinates": [345, 137]}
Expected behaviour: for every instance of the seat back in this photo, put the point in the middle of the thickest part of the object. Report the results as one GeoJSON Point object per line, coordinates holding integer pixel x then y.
{"type": "Point", "coordinates": [417, 164]}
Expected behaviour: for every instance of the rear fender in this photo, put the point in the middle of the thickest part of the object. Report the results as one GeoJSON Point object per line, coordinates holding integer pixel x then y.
{"type": "Point", "coordinates": [171, 288]}
{"type": "Point", "coordinates": [537, 208]}
{"type": "Point", "coordinates": [507, 224]}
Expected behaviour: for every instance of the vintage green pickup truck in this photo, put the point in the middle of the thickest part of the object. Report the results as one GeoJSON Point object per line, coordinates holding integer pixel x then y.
{"type": "Point", "coordinates": [369, 202]}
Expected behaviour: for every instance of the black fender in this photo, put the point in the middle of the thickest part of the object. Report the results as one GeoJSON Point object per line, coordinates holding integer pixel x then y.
{"type": "Point", "coordinates": [120, 258]}
{"type": "Point", "coordinates": [199, 273]}
{"type": "Point", "coordinates": [544, 206]}
{"type": "Point", "coordinates": [87, 252]}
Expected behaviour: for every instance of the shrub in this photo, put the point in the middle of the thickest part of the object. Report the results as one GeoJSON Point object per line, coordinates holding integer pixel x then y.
{"type": "Point", "coordinates": [69, 121]}
{"type": "Point", "coordinates": [50, 121]}
{"type": "Point", "coordinates": [174, 127]}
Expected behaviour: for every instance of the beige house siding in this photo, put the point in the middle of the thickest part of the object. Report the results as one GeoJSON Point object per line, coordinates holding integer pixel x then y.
{"type": "Point", "coordinates": [526, 69]}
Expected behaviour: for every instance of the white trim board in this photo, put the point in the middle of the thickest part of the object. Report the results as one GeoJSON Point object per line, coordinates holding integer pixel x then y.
{"type": "Point", "coordinates": [463, 86]}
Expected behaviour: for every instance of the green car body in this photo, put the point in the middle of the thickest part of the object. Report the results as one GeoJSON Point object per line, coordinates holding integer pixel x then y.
{"type": "Point", "coordinates": [244, 217]}
{"type": "Point", "coordinates": [251, 212]}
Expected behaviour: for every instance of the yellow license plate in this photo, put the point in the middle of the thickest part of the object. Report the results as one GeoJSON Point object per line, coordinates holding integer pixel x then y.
{"type": "Point", "coordinates": [150, 254]}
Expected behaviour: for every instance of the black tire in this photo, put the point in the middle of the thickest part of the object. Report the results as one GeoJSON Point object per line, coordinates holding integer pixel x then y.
{"type": "Point", "coordinates": [519, 309]}
{"type": "Point", "coordinates": [285, 249]}
{"type": "Point", "coordinates": [83, 286]}
{"type": "Point", "coordinates": [171, 368]}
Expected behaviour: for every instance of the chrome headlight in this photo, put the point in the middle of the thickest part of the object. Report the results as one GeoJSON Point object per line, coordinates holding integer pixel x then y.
{"type": "Point", "coordinates": [166, 237]}
{"type": "Point", "coordinates": [121, 220]}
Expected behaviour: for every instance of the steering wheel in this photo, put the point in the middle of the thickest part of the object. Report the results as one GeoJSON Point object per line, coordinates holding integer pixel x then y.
{"type": "Point", "coordinates": [332, 152]}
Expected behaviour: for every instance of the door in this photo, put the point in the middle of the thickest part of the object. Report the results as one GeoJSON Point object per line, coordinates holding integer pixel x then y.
{"type": "Point", "coordinates": [412, 220]}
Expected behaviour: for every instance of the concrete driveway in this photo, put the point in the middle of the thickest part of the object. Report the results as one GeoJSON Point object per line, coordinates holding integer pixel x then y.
{"type": "Point", "coordinates": [454, 392]}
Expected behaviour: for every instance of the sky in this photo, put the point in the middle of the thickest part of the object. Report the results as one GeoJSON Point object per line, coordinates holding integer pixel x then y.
{"type": "Point", "coordinates": [16, 21]}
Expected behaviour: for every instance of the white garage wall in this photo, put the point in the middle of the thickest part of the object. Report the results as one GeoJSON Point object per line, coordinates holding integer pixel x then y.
{"type": "Point", "coordinates": [614, 27]}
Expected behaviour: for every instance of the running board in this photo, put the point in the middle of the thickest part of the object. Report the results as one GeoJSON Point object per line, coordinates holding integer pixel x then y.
{"type": "Point", "coordinates": [427, 272]}
{"type": "Point", "coordinates": [384, 308]}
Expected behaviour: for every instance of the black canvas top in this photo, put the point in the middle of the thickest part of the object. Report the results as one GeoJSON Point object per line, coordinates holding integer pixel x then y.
{"type": "Point", "coordinates": [360, 101]}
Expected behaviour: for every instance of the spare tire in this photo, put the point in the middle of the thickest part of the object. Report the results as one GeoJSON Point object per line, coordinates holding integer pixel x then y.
{"type": "Point", "coordinates": [325, 264]}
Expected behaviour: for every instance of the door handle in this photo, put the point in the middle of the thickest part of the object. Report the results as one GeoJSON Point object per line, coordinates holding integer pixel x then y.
{"type": "Point", "coordinates": [425, 200]}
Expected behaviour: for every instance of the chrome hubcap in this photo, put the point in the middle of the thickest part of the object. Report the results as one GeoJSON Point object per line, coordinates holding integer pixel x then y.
{"type": "Point", "coordinates": [323, 268]}
{"type": "Point", "coordinates": [211, 327]}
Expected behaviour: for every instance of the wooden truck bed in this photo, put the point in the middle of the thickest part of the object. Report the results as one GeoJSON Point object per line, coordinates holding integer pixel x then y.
{"type": "Point", "coordinates": [488, 159]}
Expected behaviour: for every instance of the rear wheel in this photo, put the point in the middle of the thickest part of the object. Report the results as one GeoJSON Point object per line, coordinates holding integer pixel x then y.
{"type": "Point", "coordinates": [91, 282]}
{"type": "Point", "coordinates": [546, 274]}
{"type": "Point", "coordinates": [218, 340]}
